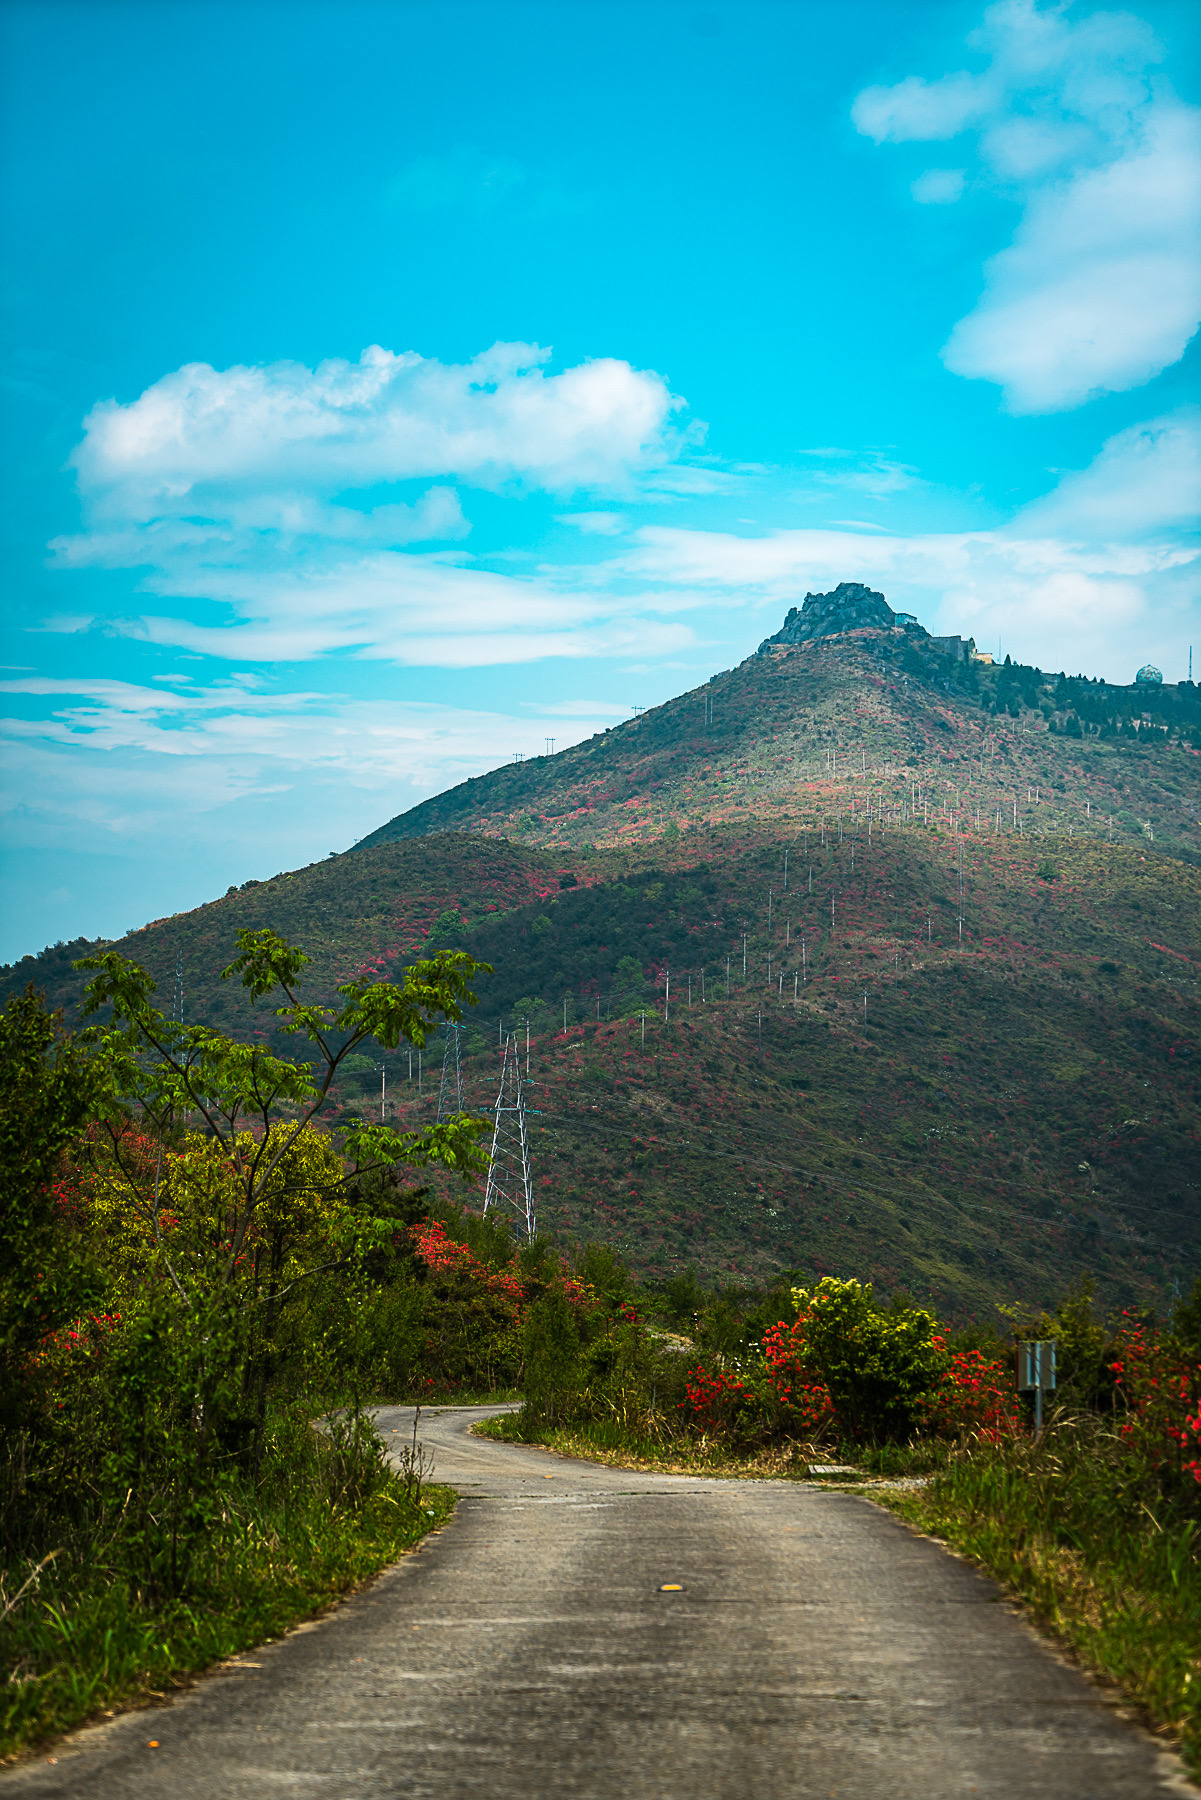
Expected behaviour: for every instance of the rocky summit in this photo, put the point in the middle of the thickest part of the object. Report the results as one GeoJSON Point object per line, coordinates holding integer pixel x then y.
{"type": "Point", "coordinates": [853, 607]}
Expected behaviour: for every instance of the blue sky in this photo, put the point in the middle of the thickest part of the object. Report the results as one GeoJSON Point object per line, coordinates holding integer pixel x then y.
{"type": "Point", "coordinates": [389, 388]}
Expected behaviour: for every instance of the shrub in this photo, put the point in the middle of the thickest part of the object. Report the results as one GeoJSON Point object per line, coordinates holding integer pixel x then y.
{"type": "Point", "coordinates": [880, 1368]}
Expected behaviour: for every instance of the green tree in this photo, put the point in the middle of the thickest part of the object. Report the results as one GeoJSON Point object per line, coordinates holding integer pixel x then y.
{"type": "Point", "coordinates": [280, 1217]}
{"type": "Point", "coordinates": [46, 1097]}
{"type": "Point", "coordinates": [551, 1355]}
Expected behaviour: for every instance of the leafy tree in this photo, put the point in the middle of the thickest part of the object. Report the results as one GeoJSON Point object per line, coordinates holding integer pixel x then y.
{"type": "Point", "coordinates": [236, 1220]}
{"type": "Point", "coordinates": [551, 1354]}
{"type": "Point", "coordinates": [45, 1098]}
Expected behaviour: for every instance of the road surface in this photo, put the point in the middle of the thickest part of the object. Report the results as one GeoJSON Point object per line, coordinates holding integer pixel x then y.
{"type": "Point", "coordinates": [529, 1650]}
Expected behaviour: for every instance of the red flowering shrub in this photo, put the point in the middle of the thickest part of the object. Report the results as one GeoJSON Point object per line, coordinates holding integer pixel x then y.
{"type": "Point", "coordinates": [976, 1394]}
{"type": "Point", "coordinates": [719, 1401]}
{"type": "Point", "coordinates": [443, 1256]}
{"type": "Point", "coordinates": [802, 1396]}
{"type": "Point", "coordinates": [1159, 1386]}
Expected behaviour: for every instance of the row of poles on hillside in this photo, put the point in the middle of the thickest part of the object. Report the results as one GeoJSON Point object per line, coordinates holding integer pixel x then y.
{"type": "Point", "coordinates": [510, 1185]}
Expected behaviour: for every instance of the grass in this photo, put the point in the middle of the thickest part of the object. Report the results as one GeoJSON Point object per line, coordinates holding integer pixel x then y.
{"type": "Point", "coordinates": [1116, 1579]}
{"type": "Point", "coordinates": [82, 1645]}
{"type": "Point", "coordinates": [610, 1442]}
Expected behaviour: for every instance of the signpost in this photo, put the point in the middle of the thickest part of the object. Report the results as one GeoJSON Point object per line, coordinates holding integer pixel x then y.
{"type": "Point", "coordinates": [1036, 1373]}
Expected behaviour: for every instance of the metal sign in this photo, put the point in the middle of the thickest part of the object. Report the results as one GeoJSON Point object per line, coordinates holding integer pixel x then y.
{"type": "Point", "coordinates": [1036, 1372]}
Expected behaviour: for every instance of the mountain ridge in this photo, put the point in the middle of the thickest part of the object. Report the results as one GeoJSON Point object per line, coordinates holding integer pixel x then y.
{"type": "Point", "coordinates": [977, 1077]}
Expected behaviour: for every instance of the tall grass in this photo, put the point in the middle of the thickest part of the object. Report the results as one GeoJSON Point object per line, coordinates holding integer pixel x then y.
{"type": "Point", "coordinates": [88, 1634]}
{"type": "Point", "coordinates": [1105, 1555]}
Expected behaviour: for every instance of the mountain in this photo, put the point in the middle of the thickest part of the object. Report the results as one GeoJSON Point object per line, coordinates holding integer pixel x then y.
{"type": "Point", "coordinates": [1003, 863]}
{"type": "Point", "coordinates": [820, 723]}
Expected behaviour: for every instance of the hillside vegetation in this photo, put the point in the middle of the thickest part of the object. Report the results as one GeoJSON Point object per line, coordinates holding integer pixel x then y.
{"type": "Point", "coordinates": [1015, 1102]}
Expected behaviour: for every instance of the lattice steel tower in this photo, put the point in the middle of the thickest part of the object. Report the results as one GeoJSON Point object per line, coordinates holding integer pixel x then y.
{"type": "Point", "coordinates": [452, 1075]}
{"type": "Point", "coordinates": [510, 1180]}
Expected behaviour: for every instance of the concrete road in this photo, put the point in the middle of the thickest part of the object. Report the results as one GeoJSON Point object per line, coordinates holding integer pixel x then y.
{"type": "Point", "coordinates": [529, 1650]}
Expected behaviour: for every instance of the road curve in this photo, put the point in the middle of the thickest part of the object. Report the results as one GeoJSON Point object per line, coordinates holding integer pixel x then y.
{"type": "Point", "coordinates": [528, 1650]}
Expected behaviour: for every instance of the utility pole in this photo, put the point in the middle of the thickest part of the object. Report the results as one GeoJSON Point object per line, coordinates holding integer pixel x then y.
{"type": "Point", "coordinates": [510, 1178]}
{"type": "Point", "coordinates": [785, 871]}
{"type": "Point", "coordinates": [727, 978]}
{"type": "Point", "coordinates": [744, 958]}
{"type": "Point", "coordinates": [667, 997]}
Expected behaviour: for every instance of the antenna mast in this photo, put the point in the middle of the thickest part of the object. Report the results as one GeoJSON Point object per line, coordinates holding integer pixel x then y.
{"type": "Point", "coordinates": [510, 1180]}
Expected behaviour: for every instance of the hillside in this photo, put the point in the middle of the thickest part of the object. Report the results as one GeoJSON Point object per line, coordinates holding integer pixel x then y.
{"type": "Point", "coordinates": [1015, 1106]}
{"type": "Point", "coordinates": [869, 714]}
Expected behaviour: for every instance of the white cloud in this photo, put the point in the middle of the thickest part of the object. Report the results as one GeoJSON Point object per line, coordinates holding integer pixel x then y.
{"type": "Point", "coordinates": [938, 187]}
{"type": "Point", "coordinates": [414, 610]}
{"type": "Point", "coordinates": [1093, 575]}
{"type": "Point", "coordinates": [1101, 287]}
{"type": "Point", "coordinates": [596, 524]}
{"type": "Point", "coordinates": [1145, 480]}
{"type": "Point", "coordinates": [174, 765]}
{"type": "Point", "coordinates": [201, 438]}
{"type": "Point", "coordinates": [231, 487]}
{"type": "Point", "coordinates": [917, 110]}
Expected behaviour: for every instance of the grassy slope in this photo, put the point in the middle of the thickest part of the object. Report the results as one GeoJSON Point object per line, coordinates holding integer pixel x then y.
{"type": "Point", "coordinates": [938, 1145]}
{"type": "Point", "coordinates": [86, 1651]}
{"type": "Point", "coordinates": [852, 708]}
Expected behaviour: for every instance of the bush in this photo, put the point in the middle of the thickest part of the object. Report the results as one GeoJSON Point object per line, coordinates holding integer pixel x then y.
{"type": "Point", "coordinates": [880, 1368]}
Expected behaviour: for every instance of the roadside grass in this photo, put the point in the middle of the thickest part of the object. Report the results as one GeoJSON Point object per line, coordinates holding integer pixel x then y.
{"type": "Point", "coordinates": [1120, 1586]}
{"type": "Point", "coordinates": [87, 1642]}
{"type": "Point", "coordinates": [453, 1396]}
{"type": "Point", "coordinates": [620, 1447]}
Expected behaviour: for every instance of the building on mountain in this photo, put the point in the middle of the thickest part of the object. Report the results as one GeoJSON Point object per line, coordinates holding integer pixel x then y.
{"type": "Point", "coordinates": [1149, 676]}
{"type": "Point", "coordinates": [853, 607]}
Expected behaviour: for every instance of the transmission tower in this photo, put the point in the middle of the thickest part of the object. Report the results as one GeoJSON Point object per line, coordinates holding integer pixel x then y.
{"type": "Point", "coordinates": [510, 1180]}
{"type": "Point", "coordinates": [177, 999]}
{"type": "Point", "coordinates": [452, 1075]}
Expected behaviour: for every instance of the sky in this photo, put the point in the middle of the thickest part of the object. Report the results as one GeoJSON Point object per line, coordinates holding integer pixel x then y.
{"type": "Point", "coordinates": [390, 389]}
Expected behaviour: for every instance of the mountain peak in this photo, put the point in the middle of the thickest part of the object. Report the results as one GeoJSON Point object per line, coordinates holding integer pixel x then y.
{"type": "Point", "coordinates": [852, 607]}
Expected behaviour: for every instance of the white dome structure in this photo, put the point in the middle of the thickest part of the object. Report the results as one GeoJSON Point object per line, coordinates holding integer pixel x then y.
{"type": "Point", "coordinates": [1149, 676]}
